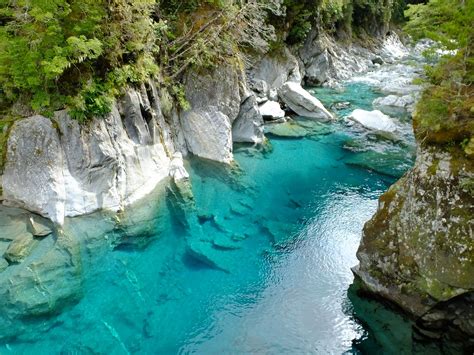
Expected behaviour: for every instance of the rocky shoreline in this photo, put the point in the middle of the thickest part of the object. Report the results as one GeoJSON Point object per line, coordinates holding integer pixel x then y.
{"type": "Point", "coordinates": [58, 169]}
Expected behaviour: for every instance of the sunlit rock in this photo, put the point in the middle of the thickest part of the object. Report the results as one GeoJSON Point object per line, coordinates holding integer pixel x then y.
{"type": "Point", "coordinates": [271, 110]}
{"type": "Point", "coordinates": [373, 120]}
{"type": "Point", "coordinates": [302, 102]}
{"type": "Point", "coordinates": [248, 127]}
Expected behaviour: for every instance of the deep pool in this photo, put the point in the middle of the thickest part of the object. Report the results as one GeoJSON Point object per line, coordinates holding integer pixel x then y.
{"type": "Point", "coordinates": [261, 265]}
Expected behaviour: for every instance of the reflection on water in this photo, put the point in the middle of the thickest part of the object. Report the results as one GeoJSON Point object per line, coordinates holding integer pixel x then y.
{"type": "Point", "coordinates": [261, 264]}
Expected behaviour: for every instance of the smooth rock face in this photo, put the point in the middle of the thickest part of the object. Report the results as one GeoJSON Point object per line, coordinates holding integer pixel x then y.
{"type": "Point", "coordinates": [33, 175]}
{"type": "Point", "coordinates": [373, 120]}
{"type": "Point", "coordinates": [108, 164]}
{"type": "Point", "coordinates": [302, 102]}
{"type": "Point", "coordinates": [418, 250]}
{"type": "Point", "coordinates": [248, 127]}
{"type": "Point", "coordinates": [271, 110]}
{"type": "Point", "coordinates": [271, 72]}
{"type": "Point", "coordinates": [208, 134]}
{"type": "Point", "coordinates": [214, 98]}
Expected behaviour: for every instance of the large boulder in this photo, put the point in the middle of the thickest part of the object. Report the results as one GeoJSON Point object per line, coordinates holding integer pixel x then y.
{"type": "Point", "coordinates": [20, 248]}
{"type": "Point", "coordinates": [248, 127]}
{"type": "Point", "coordinates": [208, 134]}
{"type": "Point", "coordinates": [41, 285]}
{"type": "Point", "coordinates": [271, 110]}
{"type": "Point", "coordinates": [302, 102]}
{"type": "Point", "coordinates": [418, 249]}
{"type": "Point", "coordinates": [214, 99]}
{"type": "Point", "coordinates": [373, 120]}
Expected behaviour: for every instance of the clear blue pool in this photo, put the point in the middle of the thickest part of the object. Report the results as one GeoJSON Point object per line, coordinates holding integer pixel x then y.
{"type": "Point", "coordinates": [261, 265]}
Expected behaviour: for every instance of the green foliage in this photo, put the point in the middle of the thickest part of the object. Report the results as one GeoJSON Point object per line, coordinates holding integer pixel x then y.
{"type": "Point", "coordinates": [360, 16]}
{"type": "Point", "coordinates": [449, 22]}
{"type": "Point", "coordinates": [444, 113]}
{"type": "Point", "coordinates": [74, 53]}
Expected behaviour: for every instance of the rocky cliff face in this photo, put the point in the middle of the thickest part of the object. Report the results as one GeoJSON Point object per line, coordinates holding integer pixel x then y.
{"type": "Point", "coordinates": [58, 168]}
{"type": "Point", "coordinates": [418, 250]}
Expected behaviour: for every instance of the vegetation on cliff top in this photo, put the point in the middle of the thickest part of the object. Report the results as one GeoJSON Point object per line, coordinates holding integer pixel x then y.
{"type": "Point", "coordinates": [79, 54]}
{"type": "Point", "coordinates": [445, 112]}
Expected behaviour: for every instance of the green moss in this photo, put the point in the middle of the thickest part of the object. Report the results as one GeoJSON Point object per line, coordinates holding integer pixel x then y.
{"type": "Point", "coordinates": [437, 289]}
{"type": "Point", "coordinates": [433, 167]}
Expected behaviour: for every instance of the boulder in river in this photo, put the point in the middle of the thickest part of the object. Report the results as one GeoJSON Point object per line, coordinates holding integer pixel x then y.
{"type": "Point", "coordinates": [404, 101]}
{"type": "Point", "coordinates": [302, 102]}
{"type": "Point", "coordinates": [271, 110]}
{"type": "Point", "coordinates": [248, 126]}
{"type": "Point", "coordinates": [373, 120]}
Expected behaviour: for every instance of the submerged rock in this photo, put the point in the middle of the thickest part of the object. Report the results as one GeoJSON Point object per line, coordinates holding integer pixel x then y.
{"type": "Point", "coordinates": [302, 102]}
{"type": "Point", "coordinates": [38, 228]}
{"type": "Point", "coordinates": [373, 120]}
{"type": "Point", "coordinates": [288, 129]}
{"type": "Point", "coordinates": [20, 248]}
{"type": "Point", "coordinates": [224, 242]}
{"type": "Point", "coordinates": [3, 264]}
{"type": "Point", "coordinates": [205, 253]}
{"type": "Point", "coordinates": [388, 163]}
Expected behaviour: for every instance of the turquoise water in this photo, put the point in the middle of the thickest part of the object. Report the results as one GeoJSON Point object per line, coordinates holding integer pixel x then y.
{"type": "Point", "coordinates": [260, 265]}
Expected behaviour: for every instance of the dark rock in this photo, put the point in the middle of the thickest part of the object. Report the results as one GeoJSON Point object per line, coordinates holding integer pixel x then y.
{"type": "Point", "coordinates": [377, 60]}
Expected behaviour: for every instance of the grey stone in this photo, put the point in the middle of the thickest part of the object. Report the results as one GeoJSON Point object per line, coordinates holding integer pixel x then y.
{"type": "Point", "coordinates": [33, 176]}
{"type": "Point", "coordinates": [75, 169]}
{"type": "Point", "coordinates": [20, 248]}
{"type": "Point", "coordinates": [269, 73]}
{"type": "Point", "coordinates": [303, 103]}
{"type": "Point", "coordinates": [248, 127]}
{"type": "Point", "coordinates": [134, 123]}
{"type": "Point", "coordinates": [38, 228]}
{"type": "Point", "coordinates": [208, 134]}
{"type": "Point", "coordinates": [215, 99]}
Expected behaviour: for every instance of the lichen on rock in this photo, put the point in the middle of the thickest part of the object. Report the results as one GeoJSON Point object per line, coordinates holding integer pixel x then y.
{"type": "Point", "coordinates": [418, 250]}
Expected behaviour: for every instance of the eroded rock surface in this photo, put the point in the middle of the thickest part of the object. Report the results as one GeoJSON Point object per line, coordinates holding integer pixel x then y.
{"type": "Point", "coordinates": [418, 250]}
{"type": "Point", "coordinates": [70, 170]}
{"type": "Point", "coordinates": [302, 102]}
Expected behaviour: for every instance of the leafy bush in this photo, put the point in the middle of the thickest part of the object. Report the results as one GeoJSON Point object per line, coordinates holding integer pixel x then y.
{"type": "Point", "coordinates": [444, 114]}
{"type": "Point", "coordinates": [73, 53]}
